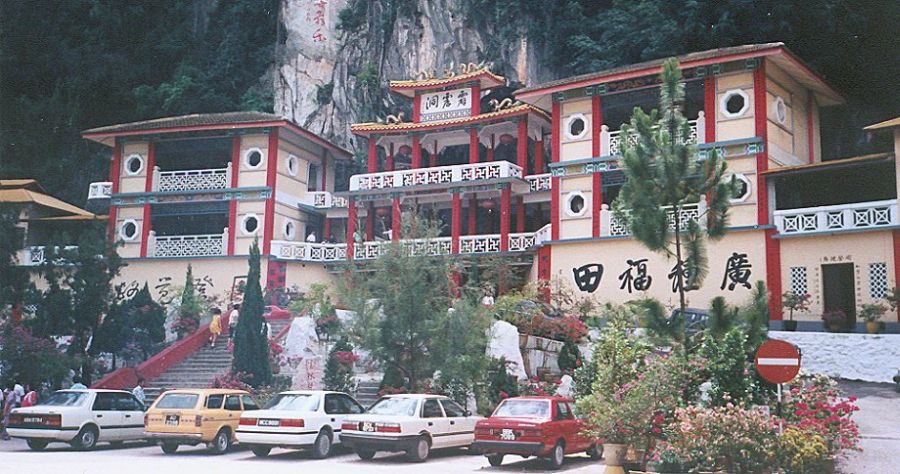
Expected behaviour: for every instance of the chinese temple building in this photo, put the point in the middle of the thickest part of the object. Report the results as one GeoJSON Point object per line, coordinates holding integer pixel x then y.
{"type": "Point", "coordinates": [528, 176]}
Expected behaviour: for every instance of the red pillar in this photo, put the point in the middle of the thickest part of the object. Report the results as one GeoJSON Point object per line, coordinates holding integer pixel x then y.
{"type": "Point", "coordinates": [597, 203]}
{"type": "Point", "coordinates": [539, 157]}
{"type": "Point", "coordinates": [520, 214]}
{"type": "Point", "coordinates": [416, 152]}
{"type": "Point", "coordinates": [490, 152]}
{"type": "Point", "coordinates": [417, 108]}
{"type": "Point", "coordinates": [324, 170]}
{"type": "Point", "coordinates": [473, 146]}
{"type": "Point", "coordinates": [370, 222]}
{"type": "Point", "coordinates": [554, 181]}
{"type": "Point", "coordinates": [271, 172]}
{"type": "Point", "coordinates": [897, 264]}
{"type": "Point", "coordinates": [396, 220]}
{"type": "Point", "coordinates": [473, 209]}
{"type": "Point", "coordinates": [456, 221]}
{"type": "Point", "coordinates": [773, 247]}
{"type": "Point", "coordinates": [351, 227]}
{"type": "Point", "coordinates": [597, 181]}
{"type": "Point", "coordinates": [390, 158]}
{"type": "Point", "coordinates": [148, 187]}
{"type": "Point", "coordinates": [596, 123]}
{"type": "Point", "coordinates": [504, 218]}
{"type": "Point", "coordinates": [476, 99]}
{"type": "Point", "coordinates": [709, 107]}
{"type": "Point", "coordinates": [544, 272]}
{"type": "Point", "coordinates": [373, 155]}
{"type": "Point", "coordinates": [114, 169]}
{"type": "Point", "coordinates": [232, 204]}
{"type": "Point", "coordinates": [522, 146]}
{"type": "Point", "coordinates": [327, 230]}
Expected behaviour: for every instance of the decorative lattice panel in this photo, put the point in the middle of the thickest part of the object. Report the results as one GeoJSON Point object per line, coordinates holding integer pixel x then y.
{"type": "Point", "coordinates": [878, 280]}
{"type": "Point", "coordinates": [798, 281]}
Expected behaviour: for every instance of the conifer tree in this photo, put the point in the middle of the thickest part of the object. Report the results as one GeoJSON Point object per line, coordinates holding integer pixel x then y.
{"type": "Point", "coordinates": [664, 176]}
{"type": "Point", "coordinates": [251, 345]}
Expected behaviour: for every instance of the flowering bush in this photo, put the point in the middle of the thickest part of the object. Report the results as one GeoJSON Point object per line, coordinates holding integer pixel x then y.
{"type": "Point", "coordinates": [537, 387]}
{"type": "Point", "coordinates": [795, 302]}
{"type": "Point", "coordinates": [339, 367]}
{"type": "Point", "coordinates": [801, 452]}
{"type": "Point", "coordinates": [233, 380]}
{"type": "Point", "coordinates": [565, 328]}
{"type": "Point", "coordinates": [275, 355]}
{"type": "Point", "coordinates": [185, 324]}
{"type": "Point", "coordinates": [835, 319]}
{"type": "Point", "coordinates": [872, 312]}
{"type": "Point", "coordinates": [817, 406]}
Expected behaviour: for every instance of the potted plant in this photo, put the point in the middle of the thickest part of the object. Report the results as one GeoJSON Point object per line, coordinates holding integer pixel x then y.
{"type": "Point", "coordinates": [793, 302]}
{"type": "Point", "coordinates": [835, 320]}
{"type": "Point", "coordinates": [871, 314]}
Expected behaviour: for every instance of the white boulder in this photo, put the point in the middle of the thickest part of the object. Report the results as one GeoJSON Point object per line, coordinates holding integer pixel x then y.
{"type": "Point", "coordinates": [504, 342]}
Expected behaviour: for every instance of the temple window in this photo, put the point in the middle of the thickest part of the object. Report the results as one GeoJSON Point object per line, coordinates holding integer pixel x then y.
{"type": "Point", "coordinates": [253, 158]}
{"type": "Point", "coordinates": [575, 204]}
{"type": "Point", "coordinates": [128, 230]}
{"type": "Point", "coordinates": [734, 103]}
{"type": "Point", "coordinates": [134, 164]}
{"type": "Point", "coordinates": [250, 224]}
{"type": "Point", "coordinates": [576, 126]}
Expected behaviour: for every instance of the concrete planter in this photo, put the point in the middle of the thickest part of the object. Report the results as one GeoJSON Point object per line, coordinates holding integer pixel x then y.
{"type": "Point", "coordinates": [614, 457]}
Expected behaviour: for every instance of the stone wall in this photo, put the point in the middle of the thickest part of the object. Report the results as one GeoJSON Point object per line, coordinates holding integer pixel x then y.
{"type": "Point", "coordinates": [867, 357]}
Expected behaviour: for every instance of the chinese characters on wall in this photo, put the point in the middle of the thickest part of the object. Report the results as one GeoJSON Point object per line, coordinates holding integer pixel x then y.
{"type": "Point", "coordinates": [164, 289]}
{"type": "Point", "coordinates": [446, 105]}
{"type": "Point", "coordinates": [317, 17]}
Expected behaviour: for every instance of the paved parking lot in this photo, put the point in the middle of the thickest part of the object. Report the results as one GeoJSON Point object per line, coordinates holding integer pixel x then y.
{"type": "Point", "coordinates": [141, 458]}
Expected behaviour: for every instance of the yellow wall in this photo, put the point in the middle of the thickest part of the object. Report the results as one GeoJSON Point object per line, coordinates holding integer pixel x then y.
{"type": "Point", "coordinates": [242, 241]}
{"type": "Point", "coordinates": [136, 183]}
{"type": "Point", "coordinates": [575, 149]}
{"type": "Point", "coordinates": [130, 249]}
{"type": "Point", "coordinates": [303, 275]}
{"type": "Point", "coordinates": [732, 128]}
{"type": "Point", "coordinates": [575, 227]}
{"type": "Point", "coordinates": [253, 177]}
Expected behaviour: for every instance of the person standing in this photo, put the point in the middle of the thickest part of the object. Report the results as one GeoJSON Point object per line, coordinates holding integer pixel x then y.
{"type": "Point", "coordinates": [233, 320]}
{"type": "Point", "coordinates": [30, 399]}
{"type": "Point", "coordinates": [76, 383]}
{"type": "Point", "coordinates": [9, 402]}
{"type": "Point", "coordinates": [138, 391]}
{"type": "Point", "coordinates": [215, 326]}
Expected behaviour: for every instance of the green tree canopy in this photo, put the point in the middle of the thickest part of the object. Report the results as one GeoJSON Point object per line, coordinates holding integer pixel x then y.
{"type": "Point", "coordinates": [251, 344]}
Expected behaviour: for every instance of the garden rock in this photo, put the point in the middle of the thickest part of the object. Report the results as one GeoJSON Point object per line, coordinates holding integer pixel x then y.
{"type": "Point", "coordinates": [504, 342]}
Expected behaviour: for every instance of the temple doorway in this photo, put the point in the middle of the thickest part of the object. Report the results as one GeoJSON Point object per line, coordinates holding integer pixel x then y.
{"type": "Point", "coordinates": [839, 290]}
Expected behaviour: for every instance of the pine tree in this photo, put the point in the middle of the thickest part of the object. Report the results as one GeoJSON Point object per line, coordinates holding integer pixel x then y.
{"type": "Point", "coordinates": [251, 346]}
{"type": "Point", "coordinates": [664, 176]}
{"type": "Point", "coordinates": [338, 372]}
{"type": "Point", "coordinates": [190, 308]}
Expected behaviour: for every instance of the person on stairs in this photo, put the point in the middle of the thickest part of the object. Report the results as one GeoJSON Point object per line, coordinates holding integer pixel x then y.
{"type": "Point", "coordinates": [215, 326]}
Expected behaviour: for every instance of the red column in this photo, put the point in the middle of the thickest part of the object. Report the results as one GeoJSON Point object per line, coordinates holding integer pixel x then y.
{"type": "Point", "coordinates": [476, 99]}
{"type": "Point", "coordinates": [897, 264]}
{"type": "Point", "coordinates": [473, 209]}
{"type": "Point", "coordinates": [539, 157]}
{"type": "Point", "coordinates": [370, 222]}
{"type": "Point", "coordinates": [325, 170]}
{"type": "Point", "coordinates": [455, 221]}
{"type": "Point", "coordinates": [432, 160]}
{"type": "Point", "coordinates": [522, 146]}
{"type": "Point", "coordinates": [396, 220]}
{"type": "Point", "coordinates": [416, 152]}
{"type": "Point", "coordinates": [773, 247]}
{"type": "Point", "coordinates": [390, 158]}
{"type": "Point", "coordinates": [373, 155]}
{"type": "Point", "coordinates": [810, 126]}
{"type": "Point", "coordinates": [597, 203]}
{"type": "Point", "coordinates": [115, 167]}
{"type": "Point", "coordinates": [520, 214]}
{"type": "Point", "coordinates": [271, 172]}
{"type": "Point", "coordinates": [554, 181]}
{"type": "Point", "coordinates": [473, 146]}
{"type": "Point", "coordinates": [544, 272]}
{"type": "Point", "coordinates": [709, 107]}
{"type": "Point", "coordinates": [596, 123]}
{"type": "Point", "coordinates": [327, 229]}
{"type": "Point", "coordinates": [148, 187]}
{"type": "Point", "coordinates": [417, 108]}
{"type": "Point", "coordinates": [351, 227]}
{"type": "Point", "coordinates": [232, 204]}
{"type": "Point", "coordinates": [490, 152]}
{"type": "Point", "coordinates": [504, 218]}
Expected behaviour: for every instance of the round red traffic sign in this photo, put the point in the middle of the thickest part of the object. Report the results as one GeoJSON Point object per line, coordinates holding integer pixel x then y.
{"type": "Point", "coordinates": [778, 361]}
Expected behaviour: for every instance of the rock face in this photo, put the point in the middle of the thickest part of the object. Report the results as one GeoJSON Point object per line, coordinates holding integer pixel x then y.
{"type": "Point", "coordinates": [504, 342]}
{"type": "Point", "coordinates": [867, 357]}
{"type": "Point", "coordinates": [327, 79]}
{"type": "Point", "coordinates": [305, 355]}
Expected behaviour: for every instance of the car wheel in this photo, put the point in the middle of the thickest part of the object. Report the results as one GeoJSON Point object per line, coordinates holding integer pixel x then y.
{"type": "Point", "coordinates": [36, 444]}
{"type": "Point", "coordinates": [365, 454]}
{"type": "Point", "coordinates": [261, 451]}
{"type": "Point", "coordinates": [85, 439]}
{"type": "Point", "coordinates": [595, 452]}
{"type": "Point", "coordinates": [419, 452]}
{"type": "Point", "coordinates": [221, 442]}
{"type": "Point", "coordinates": [557, 456]}
{"type": "Point", "coordinates": [169, 448]}
{"type": "Point", "coordinates": [495, 459]}
{"type": "Point", "coordinates": [322, 446]}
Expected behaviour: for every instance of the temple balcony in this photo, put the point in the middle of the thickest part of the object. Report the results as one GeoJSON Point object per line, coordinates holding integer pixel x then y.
{"type": "Point", "coordinates": [199, 245]}
{"type": "Point", "coordinates": [539, 182]}
{"type": "Point", "coordinates": [192, 180]}
{"type": "Point", "coordinates": [100, 190]}
{"type": "Point", "coordinates": [441, 176]}
{"type": "Point", "coordinates": [324, 200]}
{"type": "Point", "coordinates": [611, 141]}
{"type": "Point", "coordinates": [837, 218]}
{"type": "Point", "coordinates": [612, 226]}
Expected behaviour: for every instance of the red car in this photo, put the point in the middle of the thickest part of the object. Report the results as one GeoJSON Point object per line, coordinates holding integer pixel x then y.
{"type": "Point", "coordinates": [533, 426]}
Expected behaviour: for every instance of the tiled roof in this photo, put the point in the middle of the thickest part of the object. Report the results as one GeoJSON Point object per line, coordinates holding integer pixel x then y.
{"type": "Point", "coordinates": [822, 165]}
{"type": "Point", "coordinates": [24, 195]}
{"type": "Point", "coordinates": [396, 127]}
{"type": "Point", "coordinates": [437, 82]}
{"type": "Point", "coordinates": [193, 120]}
{"type": "Point", "coordinates": [894, 122]}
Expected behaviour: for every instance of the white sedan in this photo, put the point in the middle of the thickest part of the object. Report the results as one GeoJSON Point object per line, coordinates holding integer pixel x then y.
{"type": "Point", "coordinates": [414, 424]}
{"type": "Point", "coordinates": [81, 418]}
{"type": "Point", "coordinates": [297, 419]}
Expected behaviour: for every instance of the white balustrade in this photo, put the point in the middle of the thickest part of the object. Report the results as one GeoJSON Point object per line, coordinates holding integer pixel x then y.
{"type": "Point", "coordinates": [100, 190]}
{"type": "Point", "coordinates": [35, 255]}
{"type": "Point", "coordinates": [469, 244]}
{"type": "Point", "coordinates": [543, 235]}
{"type": "Point", "coordinates": [539, 182]}
{"type": "Point", "coordinates": [325, 200]}
{"type": "Point", "coordinates": [611, 142]}
{"type": "Point", "coordinates": [612, 226]}
{"type": "Point", "coordinates": [309, 251]}
{"type": "Point", "coordinates": [437, 175]}
{"type": "Point", "coordinates": [521, 242]}
{"type": "Point", "coordinates": [187, 245]}
{"type": "Point", "coordinates": [192, 180]}
{"type": "Point", "coordinates": [864, 215]}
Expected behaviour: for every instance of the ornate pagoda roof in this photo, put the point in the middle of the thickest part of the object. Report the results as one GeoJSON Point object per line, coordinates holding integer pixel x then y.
{"type": "Point", "coordinates": [484, 76]}
{"type": "Point", "coordinates": [28, 191]}
{"type": "Point", "coordinates": [894, 122]}
{"type": "Point", "coordinates": [369, 128]}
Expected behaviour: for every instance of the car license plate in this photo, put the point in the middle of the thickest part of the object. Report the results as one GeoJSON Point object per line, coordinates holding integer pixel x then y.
{"type": "Point", "coordinates": [269, 422]}
{"type": "Point", "coordinates": [507, 434]}
{"type": "Point", "coordinates": [32, 420]}
{"type": "Point", "coordinates": [366, 426]}
{"type": "Point", "coordinates": [172, 420]}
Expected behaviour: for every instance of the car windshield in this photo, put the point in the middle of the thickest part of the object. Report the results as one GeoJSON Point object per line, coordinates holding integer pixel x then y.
{"type": "Point", "coordinates": [394, 406]}
{"type": "Point", "coordinates": [178, 400]}
{"type": "Point", "coordinates": [65, 399]}
{"type": "Point", "coordinates": [524, 408]}
{"type": "Point", "coordinates": [294, 402]}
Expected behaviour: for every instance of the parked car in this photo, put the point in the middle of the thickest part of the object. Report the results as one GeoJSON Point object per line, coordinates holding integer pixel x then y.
{"type": "Point", "coordinates": [198, 416]}
{"type": "Point", "coordinates": [694, 321]}
{"type": "Point", "coordinates": [533, 426]}
{"type": "Point", "coordinates": [81, 418]}
{"type": "Point", "coordinates": [411, 423]}
{"type": "Point", "coordinates": [298, 419]}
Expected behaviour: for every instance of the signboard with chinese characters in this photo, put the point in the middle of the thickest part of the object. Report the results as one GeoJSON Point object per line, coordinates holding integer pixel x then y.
{"type": "Point", "coordinates": [446, 105]}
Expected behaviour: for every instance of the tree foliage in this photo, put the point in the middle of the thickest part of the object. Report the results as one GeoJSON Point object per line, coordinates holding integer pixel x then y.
{"type": "Point", "coordinates": [251, 345]}
{"type": "Point", "coordinates": [29, 359]}
{"type": "Point", "coordinates": [138, 323]}
{"type": "Point", "coordinates": [339, 367]}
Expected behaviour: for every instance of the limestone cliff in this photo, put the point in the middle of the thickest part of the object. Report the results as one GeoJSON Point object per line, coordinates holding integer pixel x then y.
{"type": "Point", "coordinates": [328, 78]}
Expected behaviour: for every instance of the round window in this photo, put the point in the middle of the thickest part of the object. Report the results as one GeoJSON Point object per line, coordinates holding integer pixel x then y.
{"type": "Point", "coordinates": [780, 110]}
{"type": "Point", "coordinates": [250, 224]}
{"type": "Point", "coordinates": [576, 126]}
{"type": "Point", "coordinates": [293, 165]}
{"type": "Point", "coordinates": [741, 187]}
{"type": "Point", "coordinates": [253, 158]}
{"type": "Point", "coordinates": [734, 103]}
{"type": "Point", "coordinates": [575, 204]}
{"type": "Point", "coordinates": [128, 230]}
{"type": "Point", "coordinates": [134, 164]}
{"type": "Point", "coordinates": [290, 230]}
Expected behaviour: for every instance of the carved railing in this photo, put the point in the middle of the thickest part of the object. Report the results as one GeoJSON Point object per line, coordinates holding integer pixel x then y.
{"type": "Point", "coordinates": [325, 200]}
{"type": "Point", "coordinates": [611, 142]}
{"type": "Point", "coordinates": [36, 255]}
{"type": "Point", "coordinates": [466, 173]}
{"type": "Point", "coordinates": [539, 182]}
{"type": "Point", "coordinates": [202, 245]}
{"type": "Point", "coordinates": [543, 235]}
{"type": "Point", "coordinates": [469, 244]}
{"type": "Point", "coordinates": [864, 215]}
{"type": "Point", "coordinates": [192, 180]}
{"type": "Point", "coordinates": [309, 251]}
{"type": "Point", "coordinates": [612, 226]}
{"type": "Point", "coordinates": [100, 190]}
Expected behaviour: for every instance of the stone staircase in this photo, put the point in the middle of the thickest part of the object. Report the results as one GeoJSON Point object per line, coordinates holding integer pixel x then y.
{"type": "Point", "coordinates": [201, 368]}
{"type": "Point", "coordinates": [367, 392]}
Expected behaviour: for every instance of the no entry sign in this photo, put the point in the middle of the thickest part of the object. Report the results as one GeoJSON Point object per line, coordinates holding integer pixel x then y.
{"type": "Point", "coordinates": [778, 361]}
